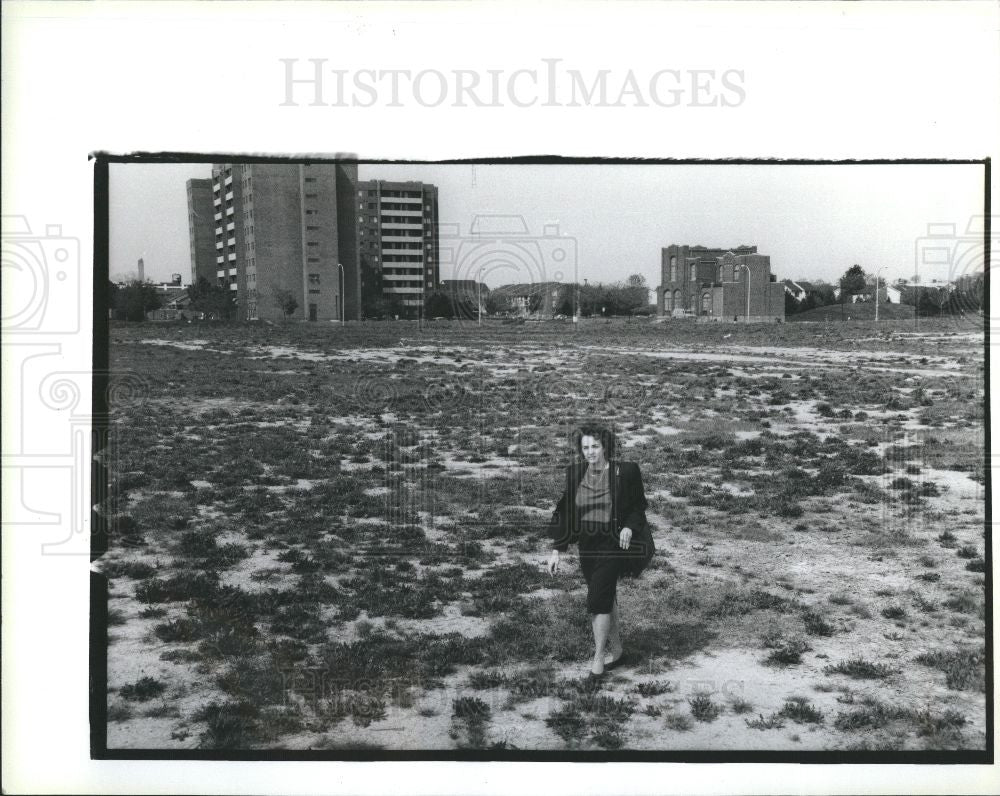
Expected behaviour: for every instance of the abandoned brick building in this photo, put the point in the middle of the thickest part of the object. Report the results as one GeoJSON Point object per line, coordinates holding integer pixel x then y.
{"type": "Point", "coordinates": [715, 285]}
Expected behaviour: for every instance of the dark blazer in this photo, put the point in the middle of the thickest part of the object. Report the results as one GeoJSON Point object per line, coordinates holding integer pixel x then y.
{"type": "Point", "coordinates": [628, 502]}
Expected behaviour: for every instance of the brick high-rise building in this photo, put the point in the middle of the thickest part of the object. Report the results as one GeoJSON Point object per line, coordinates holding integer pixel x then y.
{"type": "Point", "coordinates": [397, 245]}
{"type": "Point", "coordinates": [201, 230]}
{"type": "Point", "coordinates": [715, 284]}
{"type": "Point", "coordinates": [285, 234]}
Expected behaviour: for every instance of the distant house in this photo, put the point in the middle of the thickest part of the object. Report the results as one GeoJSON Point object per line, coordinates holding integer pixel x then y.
{"type": "Point", "coordinates": [889, 295]}
{"type": "Point", "coordinates": [533, 298]}
{"type": "Point", "coordinates": [175, 304]}
{"type": "Point", "coordinates": [886, 294]}
{"type": "Point", "coordinates": [795, 289]}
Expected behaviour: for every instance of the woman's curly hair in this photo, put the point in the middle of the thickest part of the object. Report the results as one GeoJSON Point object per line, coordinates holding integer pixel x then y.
{"type": "Point", "coordinates": [598, 432]}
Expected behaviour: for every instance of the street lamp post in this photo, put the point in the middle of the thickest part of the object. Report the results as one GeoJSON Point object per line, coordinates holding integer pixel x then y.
{"type": "Point", "coordinates": [343, 281]}
{"type": "Point", "coordinates": [479, 294]}
{"type": "Point", "coordinates": [877, 272]}
{"type": "Point", "coordinates": [576, 305]}
{"type": "Point", "coordinates": [746, 318]}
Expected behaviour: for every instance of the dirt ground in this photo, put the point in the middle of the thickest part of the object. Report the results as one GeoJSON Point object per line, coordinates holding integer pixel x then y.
{"type": "Point", "coordinates": [334, 538]}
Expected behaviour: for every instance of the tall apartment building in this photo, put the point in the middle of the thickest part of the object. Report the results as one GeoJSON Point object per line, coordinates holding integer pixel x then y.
{"type": "Point", "coordinates": [286, 234]}
{"type": "Point", "coordinates": [719, 284]}
{"type": "Point", "coordinates": [397, 245]}
{"type": "Point", "coordinates": [201, 229]}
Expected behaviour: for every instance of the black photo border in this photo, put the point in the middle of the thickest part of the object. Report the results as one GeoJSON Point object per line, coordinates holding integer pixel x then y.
{"type": "Point", "coordinates": [98, 681]}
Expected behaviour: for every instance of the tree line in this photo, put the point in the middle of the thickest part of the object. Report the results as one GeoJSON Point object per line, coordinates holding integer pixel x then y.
{"type": "Point", "coordinates": [965, 295]}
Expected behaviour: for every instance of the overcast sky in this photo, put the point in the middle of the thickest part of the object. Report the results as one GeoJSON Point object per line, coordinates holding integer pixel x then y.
{"type": "Point", "coordinates": [813, 221]}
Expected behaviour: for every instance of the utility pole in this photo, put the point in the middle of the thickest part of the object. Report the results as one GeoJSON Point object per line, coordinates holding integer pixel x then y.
{"type": "Point", "coordinates": [746, 318]}
{"type": "Point", "coordinates": [877, 301]}
{"type": "Point", "coordinates": [343, 282]}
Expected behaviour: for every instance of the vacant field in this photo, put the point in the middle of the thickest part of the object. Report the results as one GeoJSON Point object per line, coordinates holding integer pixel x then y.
{"type": "Point", "coordinates": [333, 538]}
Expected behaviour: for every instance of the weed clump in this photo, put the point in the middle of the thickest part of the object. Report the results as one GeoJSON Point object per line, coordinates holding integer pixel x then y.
{"type": "Point", "coordinates": [801, 711]}
{"type": "Point", "coordinates": [787, 653]}
{"type": "Point", "coordinates": [229, 725]}
{"type": "Point", "coordinates": [772, 722]}
{"type": "Point", "coordinates": [816, 624]}
{"type": "Point", "coordinates": [142, 690]}
{"type": "Point", "coordinates": [703, 708]}
{"type": "Point", "coordinates": [654, 688]}
{"type": "Point", "coordinates": [678, 722]}
{"type": "Point", "coordinates": [568, 723]}
{"type": "Point", "coordinates": [860, 669]}
{"type": "Point", "coordinates": [470, 716]}
{"type": "Point", "coordinates": [740, 705]}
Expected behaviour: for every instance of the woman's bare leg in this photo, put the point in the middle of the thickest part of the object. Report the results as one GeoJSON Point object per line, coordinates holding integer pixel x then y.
{"type": "Point", "coordinates": [602, 625]}
{"type": "Point", "coordinates": [614, 635]}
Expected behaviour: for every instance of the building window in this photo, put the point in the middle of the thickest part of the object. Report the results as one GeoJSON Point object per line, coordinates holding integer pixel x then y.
{"type": "Point", "coordinates": [310, 179]}
{"type": "Point", "coordinates": [313, 279]}
{"type": "Point", "coordinates": [693, 272]}
{"type": "Point", "coordinates": [673, 268]}
{"type": "Point", "coordinates": [736, 273]}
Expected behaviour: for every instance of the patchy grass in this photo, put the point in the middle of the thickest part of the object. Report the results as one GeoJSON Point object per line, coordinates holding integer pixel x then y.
{"type": "Point", "coordinates": [270, 514]}
{"type": "Point", "coordinates": [964, 669]}
{"type": "Point", "coordinates": [678, 722]}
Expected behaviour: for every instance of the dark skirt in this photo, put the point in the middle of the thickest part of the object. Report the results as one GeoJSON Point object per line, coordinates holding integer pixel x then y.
{"type": "Point", "coordinates": [600, 561]}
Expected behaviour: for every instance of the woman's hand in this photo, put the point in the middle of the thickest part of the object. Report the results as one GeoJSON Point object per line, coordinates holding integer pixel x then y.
{"type": "Point", "coordinates": [625, 538]}
{"type": "Point", "coordinates": [553, 563]}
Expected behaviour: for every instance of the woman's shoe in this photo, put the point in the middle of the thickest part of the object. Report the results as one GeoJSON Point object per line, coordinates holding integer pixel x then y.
{"type": "Point", "coordinates": [619, 661]}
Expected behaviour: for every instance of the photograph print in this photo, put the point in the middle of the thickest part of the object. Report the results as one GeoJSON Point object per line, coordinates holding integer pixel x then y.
{"type": "Point", "coordinates": [542, 457]}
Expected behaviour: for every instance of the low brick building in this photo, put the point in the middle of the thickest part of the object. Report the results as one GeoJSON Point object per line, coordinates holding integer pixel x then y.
{"type": "Point", "coordinates": [719, 285]}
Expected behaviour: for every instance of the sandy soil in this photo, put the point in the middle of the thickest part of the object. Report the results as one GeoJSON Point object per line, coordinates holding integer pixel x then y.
{"type": "Point", "coordinates": [848, 561]}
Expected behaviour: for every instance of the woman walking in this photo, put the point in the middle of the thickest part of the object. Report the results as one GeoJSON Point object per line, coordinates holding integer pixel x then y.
{"type": "Point", "coordinates": [602, 509]}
